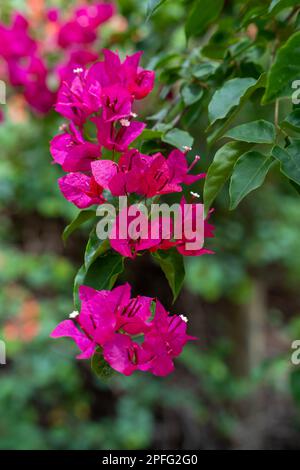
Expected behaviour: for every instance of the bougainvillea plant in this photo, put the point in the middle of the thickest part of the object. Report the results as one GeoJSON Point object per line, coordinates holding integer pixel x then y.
{"type": "Point", "coordinates": [98, 150]}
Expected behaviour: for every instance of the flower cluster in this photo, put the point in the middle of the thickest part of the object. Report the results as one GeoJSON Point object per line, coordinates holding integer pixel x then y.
{"type": "Point", "coordinates": [96, 151]}
{"type": "Point", "coordinates": [28, 60]}
{"type": "Point", "coordinates": [130, 335]}
{"type": "Point", "coordinates": [104, 95]}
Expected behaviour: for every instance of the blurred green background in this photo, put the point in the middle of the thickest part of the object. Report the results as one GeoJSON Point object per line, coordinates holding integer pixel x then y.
{"type": "Point", "coordinates": [234, 388]}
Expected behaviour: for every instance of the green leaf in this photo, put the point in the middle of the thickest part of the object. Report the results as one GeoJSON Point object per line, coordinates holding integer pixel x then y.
{"type": "Point", "coordinates": [146, 135]}
{"type": "Point", "coordinates": [152, 6]}
{"type": "Point", "coordinates": [178, 138]}
{"type": "Point", "coordinates": [260, 132]}
{"type": "Point", "coordinates": [102, 274]}
{"type": "Point", "coordinates": [249, 173]}
{"type": "Point", "coordinates": [191, 93]}
{"type": "Point", "coordinates": [285, 69]}
{"type": "Point", "coordinates": [80, 219]}
{"type": "Point", "coordinates": [202, 14]}
{"type": "Point", "coordinates": [94, 248]}
{"type": "Point", "coordinates": [229, 96]}
{"type": "Point", "coordinates": [289, 159]}
{"type": "Point", "coordinates": [278, 5]}
{"type": "Point", "coordinates": [203, 71]}
{"type": "Point", "coordinates": [100, 367]}
{"type": "Point", "coordinates": [78, 281]}
{"type": "Point", "coordinates": [219, 127]}
{"type": "Point", "coordinates": [220, 170]}
{"type": "Point", "coordinates": [172, 264]}
{"type": "Point", "coordinates": [292, 121]}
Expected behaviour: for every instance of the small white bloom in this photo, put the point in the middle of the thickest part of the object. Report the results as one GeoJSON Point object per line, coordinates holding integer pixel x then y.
{"type": "Point", "coordinates": [124, 122]}
{"type": "Point", "coordinates": [63, 127]}
{"type": "Point", "coordinates": [78, 70]}
{"type": "Point", "coordinates": [134, 115]}
{"type": "Point", "coordinates": [186, 148]}
{"type": "Point", "coordinates": [195, 194]}
{"type": "Point", "coordinates": [74, 314]}
{"type": "Point", "coordinates": [184, 318]}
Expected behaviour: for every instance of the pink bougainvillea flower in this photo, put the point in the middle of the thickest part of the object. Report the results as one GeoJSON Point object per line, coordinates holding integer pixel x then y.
{"type": "Point", "coordinates": [104, 313]}
{"type": "Point", "coordinates": [81, 190]}
{"type": "Point", "coordinates": [116, 103]}
{"type": "Point", "coordinates": [117, 138]}
{"type": "Point", "coordinates": [81, 29]}
{"type": "Point", "coordinates": [112, 320]}
{"type": "Point", "coordinates": [15, 39]}
{"type": "Point", "coordinates": [164, 341]}
{"type": "Point", "coordinates": [67, 328]}
{"type": "Point", "coordinates": [76, 60]}
{"type": "Point", "coordinates": [124, 355]}
{"type": "Point", "coordinates": [72, 152]}
{"type": "Point", "coordinates": [137, 81]}
{"type": "Point", "coordinates": [78, 97]}
{"type": "Point", "coordinates": [145, 175]}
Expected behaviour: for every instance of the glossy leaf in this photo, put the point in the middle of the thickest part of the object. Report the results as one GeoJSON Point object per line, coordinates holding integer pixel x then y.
{"type": "Point", "coordinates": [178, 138]}
{"type": "Point", "coordinates": [249, 173]}
{"type": "Point", "coordinates": [191, 93]}
{"type": "Point", "coordinates": [80, 219]}
{"type": "Point", "coordinates": [102, 274]}
{"type": "Point", "coordinates": [201, 15]}
{"type": "Point", "coordinates": [229, 96]}
{"type": "Point", "coordinates": [171, 262]}
{"type": "Point", "coordinates": [217, 129]}
{"type": "Point", "coordinates": [220, 170]}
{"type": "Point", "coordinates": [260, 132]}
{"type": "Point", "coordinates": [278, 5]}
{"type": "Point", "coordinates": [292, 121]}
{"type": "Point", "coordinates": [100, 367]}
{"type": "Point", "coordinates": [94, 248]}
{"type": "Point", "coordinates": [152, 6]}
{"type": "Point", "coordinates": [285, 69]}
{"type": "Point", "coordinates": [289, 159]}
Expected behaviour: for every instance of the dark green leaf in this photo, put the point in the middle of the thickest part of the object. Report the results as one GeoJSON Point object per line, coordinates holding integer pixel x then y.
{"type": "Point", "coordinates": [100, 367]}
{"type": "Point", "coordinates": [102, 274]}
{"type": "Point", "coordinates": [220, 170]}
{"type": "Point", "coordinates": [292, 121]}
{"type": "Point", "coordinates": [171, 262]}
{"type": "Point", "coordinates": [94, 248]}
{"type": "Point", "coordinates": [285, 69]}
{"type": "Point", "coordinates": [146, 135]}
{"type": "Point", "coordinates": [191, 93]}
{"type": "Point", "coordinates": [80, 219]}
{"type": "Point", "coordinates": [218, 128]}
{"type": "Point", "coordinates": [289, 159]}
{"type": "Point", "coordinates": [202, 14]}
{"type": "Point", "coordinates": [278, 5]}
{"type": "Point", "coordinates": [203, 71]}
{"type": "Point", "coordinates": [260, 132]}
{"type": "Point", "coordinates": [152, 6]}
{"type": "Point", "coordinates": [178, 138]}
{"type": "Point", "coordinates": [228, 97]}
{"type": "Point", "coordinates": [249, 173]}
